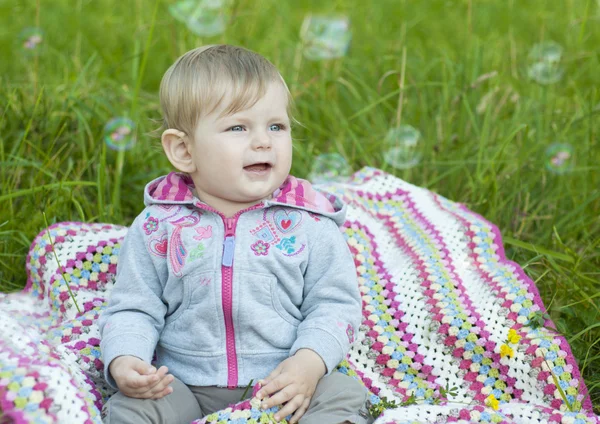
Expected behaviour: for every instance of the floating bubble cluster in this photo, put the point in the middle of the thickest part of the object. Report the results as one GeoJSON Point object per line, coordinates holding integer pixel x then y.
{"type": "Point", "coordinates": [329, 167]}
{"type": "Point", "coordinates": [559, 158]}
{"type": "Point", "coordinates": [545, 63]}
{"type": "Point", "coordinates": [401, 147]}
{"type": "Point", "coordinates": [325, 37]}
{"type": "Point", "coordinates": [119, 133]}
{"type": "Point", "coordinates": [203, 17]}
{"type": "Point", "coordinates": [30, 40]}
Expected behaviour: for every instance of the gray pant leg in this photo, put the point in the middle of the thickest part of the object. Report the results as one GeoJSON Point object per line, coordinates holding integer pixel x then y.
{"type": "Point", "coordinates": [212, 399]}
{"type": "Point", "coordinates": [179, 407]}
{"type": "Point", "coordinates": [338, 398]}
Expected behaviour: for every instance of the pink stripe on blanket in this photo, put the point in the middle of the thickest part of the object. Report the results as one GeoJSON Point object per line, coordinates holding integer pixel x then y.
{"type": "Point", "coordinates": [428, 233]}
{"type": "Point", "coordinates": [400, 321]}
{"type": "Point", "coordinates": [467, 217]}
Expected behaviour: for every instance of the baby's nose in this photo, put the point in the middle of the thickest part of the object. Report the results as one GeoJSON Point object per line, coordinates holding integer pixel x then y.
{"type": "Point", "coordinates": [261, 140]}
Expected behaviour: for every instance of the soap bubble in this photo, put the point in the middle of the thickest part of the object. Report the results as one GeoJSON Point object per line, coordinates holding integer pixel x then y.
{"type": "Point", "coordinates": [545, 73]}
{"type": "Point", "coordinates": [119, 133]}
{"type": "Point", "coordinates": [559, 158]}
{"type": "Point", "coordinates": [325, 37]}
{"type": "Point", "coordinates": [30, 40]}
{"type": "Point", "coordinates": [329, 167]}
{"type": "Point", "coordinates": [202, 17]}
{"type": "Point", "coordinates": [548, 51]}
{"type": "Point", "coordinates": [401, 147]}
{"type": "Point", "coordinates": [545, 59]}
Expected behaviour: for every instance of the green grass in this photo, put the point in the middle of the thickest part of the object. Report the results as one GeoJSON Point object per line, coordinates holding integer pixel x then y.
{"type": "Point", "coordinates": [103, 59]}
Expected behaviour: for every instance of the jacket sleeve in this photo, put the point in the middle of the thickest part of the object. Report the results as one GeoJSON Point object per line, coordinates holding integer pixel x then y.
{"type": "Point", "coordinates": [134, 317]}
{"type": "Point", "coordinates": [331, 307]}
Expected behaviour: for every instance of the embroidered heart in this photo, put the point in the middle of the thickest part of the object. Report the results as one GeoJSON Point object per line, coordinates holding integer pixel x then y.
{"type": "Point", "coordinates": [159, 245]}
{"type": "Point", "coordinates": [287, 221]}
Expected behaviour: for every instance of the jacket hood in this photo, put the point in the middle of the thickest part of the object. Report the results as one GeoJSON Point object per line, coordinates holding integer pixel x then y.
{"type": "Point", "coordinates": [177, 188]}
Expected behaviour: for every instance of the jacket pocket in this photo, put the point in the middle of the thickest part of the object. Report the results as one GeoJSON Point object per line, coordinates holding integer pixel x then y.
{"type": "Point", "coordinates": [195, 327]}
{"type": "Point", "coordinates": [262, 324]}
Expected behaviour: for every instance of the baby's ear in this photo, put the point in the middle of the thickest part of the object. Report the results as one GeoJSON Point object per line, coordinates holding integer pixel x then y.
{"type": "Point", "coordinates": [177, 148]}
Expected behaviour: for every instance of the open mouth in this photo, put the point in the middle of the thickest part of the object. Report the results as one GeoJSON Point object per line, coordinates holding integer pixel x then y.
{"type": "Point", "coordinates": [258, 167]}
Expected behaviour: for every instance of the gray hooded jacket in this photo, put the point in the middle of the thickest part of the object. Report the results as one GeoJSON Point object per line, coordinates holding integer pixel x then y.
{"type": "Point", "coordinates": [225, 300]}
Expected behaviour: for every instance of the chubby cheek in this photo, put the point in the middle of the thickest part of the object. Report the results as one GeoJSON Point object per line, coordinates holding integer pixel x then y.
{"type": "Point", "coordinates": [284, 158]}
{"type": "Point", "coordinates": [222, 160]}
{"type": "Point", "coordinates": [218, 177]}
{"type": "Point", "coordinates": [230, 163]}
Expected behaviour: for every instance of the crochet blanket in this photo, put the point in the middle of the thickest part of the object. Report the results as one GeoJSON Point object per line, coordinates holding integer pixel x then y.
{"type": "Point", "coordinates": [452, 331]}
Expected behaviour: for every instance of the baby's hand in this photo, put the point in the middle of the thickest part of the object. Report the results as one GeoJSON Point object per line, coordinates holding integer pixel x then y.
{"type": "Point", "coordinates": [135, 378]}
{"type": "Point", "coordinates": [293, 381]}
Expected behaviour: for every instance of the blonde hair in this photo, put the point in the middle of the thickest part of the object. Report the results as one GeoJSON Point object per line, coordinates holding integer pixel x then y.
{"type": "Point", "coordinates": [197, 82]}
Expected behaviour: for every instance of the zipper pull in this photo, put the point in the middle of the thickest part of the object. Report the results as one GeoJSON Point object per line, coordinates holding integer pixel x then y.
{"type": "Point", "coordinates": [229, 223]}
{"type": "Point", "coordinates": [228, 247]}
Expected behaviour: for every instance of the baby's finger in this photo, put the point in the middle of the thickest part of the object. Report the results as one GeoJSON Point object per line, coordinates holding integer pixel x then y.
{"type": "Point", "coordinates": [154, 391]}
{"type": "Point", "coordinates": [275, 385]}
{"type": "Point", "coordinates": [284, 395]}
{"type": "Point", "coordinates": [289, 407]}
{"type": "Point", "coordinates": [300, 411]}
{"type": "Point", "coordinates": [140, 383]}
{"type": "Point", "coordinates": [141, 367]}
{"type": "Point", "coordinates": [149, 371]}
{"type": "Point", "coordinates": [162, 370]}
{"type": "Point", "coordinates": [165, 392]}
{"type": "Point", "coordinates": [265, 381]}
{"type": "Point", "coordinates": [160, 386]}
{"type": "Point", "coordinates": [161, 373]}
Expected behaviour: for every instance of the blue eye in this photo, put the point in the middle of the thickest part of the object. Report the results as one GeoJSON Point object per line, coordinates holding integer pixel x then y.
{"type": "Point", "coordinates": [236, 128]}
{"type": "Point", "coordinates": [277, 127]}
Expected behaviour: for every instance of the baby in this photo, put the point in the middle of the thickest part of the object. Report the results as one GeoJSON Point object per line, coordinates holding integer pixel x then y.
{"type": "Point", "coordinates": [235, 271]}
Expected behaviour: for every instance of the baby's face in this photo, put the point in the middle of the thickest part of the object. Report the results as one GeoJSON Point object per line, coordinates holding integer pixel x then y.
{"type": "Point", "coordinates": [242, 158]}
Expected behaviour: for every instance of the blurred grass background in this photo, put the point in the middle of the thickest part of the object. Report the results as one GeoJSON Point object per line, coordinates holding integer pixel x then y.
{"type": "Point", "coordinates": [104, 59]}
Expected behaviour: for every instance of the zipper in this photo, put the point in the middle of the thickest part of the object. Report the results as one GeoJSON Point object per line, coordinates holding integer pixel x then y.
{"type": "Point", "coordinates": [230, 225]}
{"type": "Point", "coordinates": [227, 300]}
